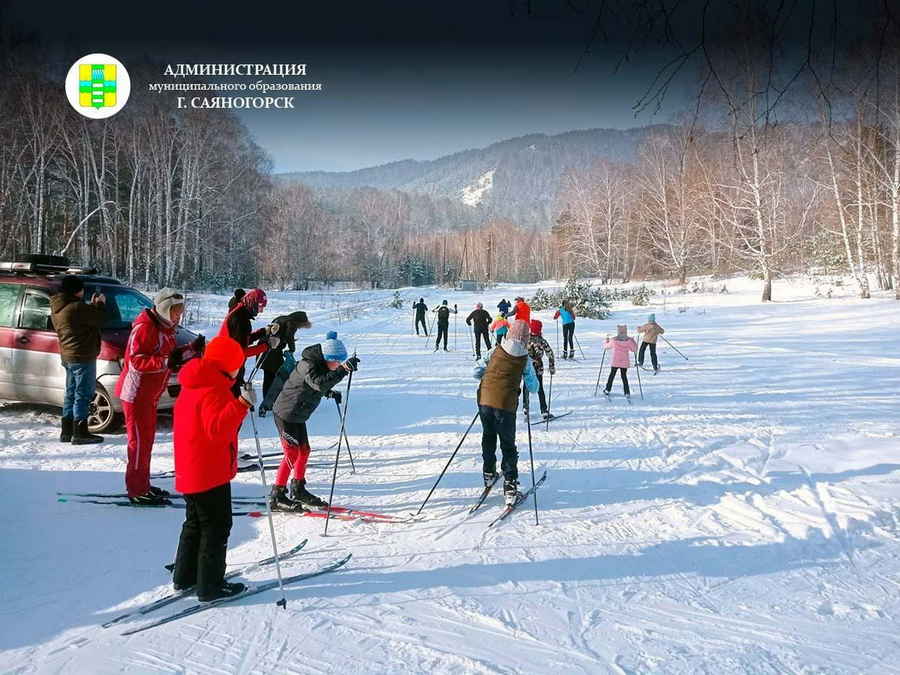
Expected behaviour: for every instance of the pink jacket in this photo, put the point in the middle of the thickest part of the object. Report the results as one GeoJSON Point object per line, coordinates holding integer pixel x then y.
{"type": "Point", "coordinates": [620, 349]}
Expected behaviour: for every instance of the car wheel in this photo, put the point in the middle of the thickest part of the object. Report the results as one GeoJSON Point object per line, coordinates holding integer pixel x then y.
{"type": "Point", "coordinates": [101, 416]}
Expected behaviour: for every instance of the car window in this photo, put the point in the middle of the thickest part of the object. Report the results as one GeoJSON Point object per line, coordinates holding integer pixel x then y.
{"type": "Point", "coordinates": [35, 312]}
{"type": "Point", "coordinates": [123, 304]}
{"type": "Point", "coordinates": [9, 300]}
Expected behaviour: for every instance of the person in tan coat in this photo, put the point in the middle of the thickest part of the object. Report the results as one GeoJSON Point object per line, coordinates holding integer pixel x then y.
{"type": "Point", "coordinates": [650, 332]}
{"type": "Point", "coordinates": [498, 397]}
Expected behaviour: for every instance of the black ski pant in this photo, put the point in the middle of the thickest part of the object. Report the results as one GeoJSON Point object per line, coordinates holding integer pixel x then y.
{"type": "Point", "coordinates": [612, 376]}
{"type": "Point", "coordinates": [499, 423]}
{"type": "Point", "coordinates": [481, 334]}
{"type": "Point", "coordinates": [568, 337]}
{"type": "Point", "coordinates": [442, 331]}
{"type": "Point", "coordinates": [204, 540]}
{"type": "Point", "coordinates": [421, 319]}
{"type": "Point", "coordinates": [652, 346]}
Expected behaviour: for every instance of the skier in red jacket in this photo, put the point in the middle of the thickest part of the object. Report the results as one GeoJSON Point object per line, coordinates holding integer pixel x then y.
{"type": "Point", "coordinates": [207, 419]}
{"type": "Point", "coordinates": [150, 356]}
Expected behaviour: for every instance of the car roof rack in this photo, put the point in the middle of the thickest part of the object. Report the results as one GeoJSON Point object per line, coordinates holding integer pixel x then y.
{"type": "Point", "coordinates": [58, 266]}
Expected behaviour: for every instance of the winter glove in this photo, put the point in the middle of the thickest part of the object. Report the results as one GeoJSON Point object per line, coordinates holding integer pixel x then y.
{"type": "Point", "coordinates": [176, 359]}
{"type": "Point", "coordinates": [248, 394]}
{"type": "Point", "coordinates": [553, 370]}
{"type": "Point", "coordinates": [274, 341]}
{"type": "Point", "coordinates": [336, 395]}
{"type": "Point", "coordinates": [258, 335]}
{"type": "Point", "coordinates": [273, 328]}
{"type": "Point", "coordinates": [198, 345]}
{"type": "Point", "coordinates": [351, 365]}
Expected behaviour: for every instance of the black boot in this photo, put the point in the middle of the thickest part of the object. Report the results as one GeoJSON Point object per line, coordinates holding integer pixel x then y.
{"type": "Point", "coordinates": [159, 491]}
{"type": "Point", "coordinates": [490, 477]}
{"type": "Point", "coordinates": [149, 499]}
{"type": "Point", "coordinates": [225, 590]}
{"type": "Point", "coordinates": [510, 491]}
{"type": "Point", "coordinates": [299, 493]}
{"type": "Point", "coordinates": [65, 429]}
{"type": "Point", "coordinates": [279, 500]}
{"type": "Point", "coordinates": [80, 435]}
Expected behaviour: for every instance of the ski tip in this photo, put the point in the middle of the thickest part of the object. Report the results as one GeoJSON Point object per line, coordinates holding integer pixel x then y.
{"type": "Point", "coordinates": [256, 514]}
{"type": "Point", "coordinates": [62, 499]}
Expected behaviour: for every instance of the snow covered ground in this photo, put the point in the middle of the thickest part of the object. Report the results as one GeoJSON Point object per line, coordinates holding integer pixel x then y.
{"type": "Point", "coordinates": [743, 517]}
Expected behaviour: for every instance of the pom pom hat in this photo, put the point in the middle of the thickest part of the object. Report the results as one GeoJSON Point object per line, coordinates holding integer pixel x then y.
{"type": "Point", "coordinates": [224, 353]}
{"type": "Point", "coordinates": [333, 349]}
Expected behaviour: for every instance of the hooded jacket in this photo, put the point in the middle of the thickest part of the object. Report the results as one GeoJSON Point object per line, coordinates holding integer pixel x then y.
{"type": "Point", "coordinates": [502, 374]}
{"type": "Point", "coordinates": [207, 420]}
{"type": "Point", "coordinates": [145, 372]}
{"type": "Point", "coordinates": [620, 349]}
{"type": "Point", "coordinates": [238, 325]}
{"type": "Point", "coordinates": [307, 384]}
{"type": "Point", "coordinates": [78, 325]}
{"type": "Point", "coordinates": [521, 312]}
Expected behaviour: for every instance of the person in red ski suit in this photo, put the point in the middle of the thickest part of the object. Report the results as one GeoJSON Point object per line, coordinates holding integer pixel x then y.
{"type": "Point", "coordinates": [207, 419]}
{"type": "Point", "coordinates": [150, 356]}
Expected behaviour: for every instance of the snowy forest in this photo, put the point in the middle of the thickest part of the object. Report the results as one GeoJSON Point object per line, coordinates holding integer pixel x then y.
{"type": "Point", "coordinates": [778, 167]}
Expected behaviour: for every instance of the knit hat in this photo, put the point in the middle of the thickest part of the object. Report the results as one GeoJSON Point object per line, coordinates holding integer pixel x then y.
{"type": "Point", "coordinates": [165, 300]}
{"type": "Point", "coordinates": [478, 305]}
{"type": "Point", "coordinates": [536, 327]}
{"type": "Point", "coordinates": [333, 349]}
{"type": "Point", "coordinates": [518, 331]}
{"type": "Point", "coordinates": [621, 332]}
{"type": "Point", "coordinates": [72, 284]}
{"type": "Point", "coordinates": [225, 353]}
{"type": "Point", "coordinates": [444, 302]}
{"type": "Point", "coordinates": [651, 318]}
{"type": "Point", "coordinates": [255, 300]}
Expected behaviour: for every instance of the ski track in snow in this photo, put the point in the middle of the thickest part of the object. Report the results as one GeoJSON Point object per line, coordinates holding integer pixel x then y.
{"type": "Point", "coordinates": [744, 517]}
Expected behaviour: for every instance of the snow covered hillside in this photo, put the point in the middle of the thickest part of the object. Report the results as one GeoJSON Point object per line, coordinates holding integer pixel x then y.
{"type": "Point", "coordinates": [742, 517]}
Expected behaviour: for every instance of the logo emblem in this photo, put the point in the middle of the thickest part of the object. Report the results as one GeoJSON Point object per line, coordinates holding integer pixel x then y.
{"type": "Point", "coordinates": [98, 86]}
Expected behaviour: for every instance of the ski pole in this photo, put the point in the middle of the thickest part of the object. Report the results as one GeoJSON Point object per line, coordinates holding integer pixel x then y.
{"type": "Point", "coordinates": [337, 455]}
{"type": "Point", "coordinates": [531, 456]}
{"type": "Point", "coordinates": [344, 437]}
{"type": "Point", "coordinates": [675, 348]}
{"type": "Point", "coordinates": [461, 441]}
{"type": "Point", "coordinates": [262, 474]}
{"type": "Point", "coordinates": [600, 372]}
{"type": "Point", "coordinates": [474, 341]}
{"type": "Point", "coordinates": [557, 334]}
{"type": "Point", "coordinates": [455, 322]}
{"type": "Point", "coordinates": [549, 401]}
{"type": "Point", "coordinates": [637, 369]}
{"type": "Point", "coordinates": [579, 345]}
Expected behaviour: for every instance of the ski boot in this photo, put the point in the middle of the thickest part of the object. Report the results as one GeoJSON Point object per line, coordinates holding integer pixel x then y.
{"type": "Point", "coordinates": [279, 500]}
{"type": "Point", "coordinates": [511, 492]}
{"type": "Point", "coordinates": [225, 590]}
{"type": "Point", "coordinates": [159, 491]}
{"type": "Point", "coordinates": [490, 477]}
{"type": "Point", "coordinates": [545, 415]}
{"type": "Point", "coordinates": [606, 392]}
{"type": "Point", "coordinates": [65, 429]}
{"type": "Point", "coordinates": [149, 499]}
{"type": "Point", "coordinates": [80, 435]}
{"type": "Point", "coordinates": [301, 495]}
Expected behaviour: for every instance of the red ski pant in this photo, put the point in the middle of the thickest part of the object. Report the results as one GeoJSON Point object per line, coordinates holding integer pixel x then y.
{"type": "Point", "coordinates": [295, 444]}
{"type": "Point", "coordinates": [140, 425]}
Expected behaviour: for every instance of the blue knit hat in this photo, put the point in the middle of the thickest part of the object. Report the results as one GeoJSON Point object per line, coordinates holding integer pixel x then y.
{"type": "Point", "coordinates": [651, 318]}
{"type": "Point", "coordinates": [333, 349]}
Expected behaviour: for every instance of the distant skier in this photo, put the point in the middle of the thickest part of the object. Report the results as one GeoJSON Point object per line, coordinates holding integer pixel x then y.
{"type": "Point", "coordinates": [503, 306]}
{"type": "Point", "coordinates": [207, 419]}
{"type": "Point", "coordinates": [236, 298]}
{"type": "Point", "coordinates": [567, 315]}
{"type": "Point", "coordinates": [537, 347]}
{"type": "Point", "coordinates": [620, 346]}
{"type": "Point", "coordinates": [651, 332]}
{"type": "Point", "coordinates": [285, 328]}
{"type": "Point", "coordinates": [499, 328]}
{"type": "Point", "coordinates": [443, 323]}
{"type": "Point", "coordinates": [321, 368]}
{"type": "Point", "coordinates": [501, 375]}
{"type": "Point", "coordinates": [480, 321]}
{"type": "Point", "coordinates": [521, 311]}
{"type": "Point", "coordinates": [421, 308]}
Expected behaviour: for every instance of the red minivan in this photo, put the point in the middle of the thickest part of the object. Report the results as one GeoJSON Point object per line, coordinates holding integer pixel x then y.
{"type": "Point", "coordinates": [30, 368]}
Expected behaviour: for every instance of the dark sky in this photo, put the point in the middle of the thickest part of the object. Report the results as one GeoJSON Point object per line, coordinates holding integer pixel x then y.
{"type": "Point", "coordinates": [402, 79]}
